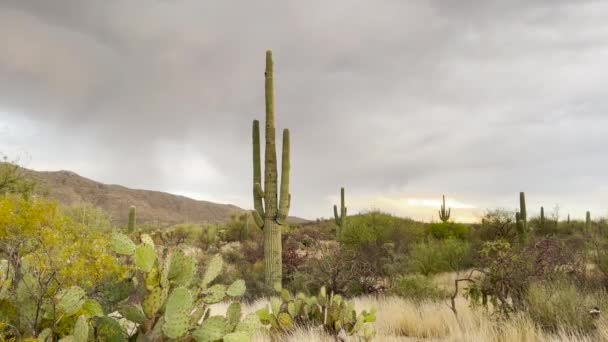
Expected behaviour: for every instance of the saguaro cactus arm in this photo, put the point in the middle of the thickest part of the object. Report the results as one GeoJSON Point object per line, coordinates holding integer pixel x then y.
{"type": "Point", "coordinates": [336, 216]}
{"type": "Point", "coordinates": [258, 193]}
{"type": "Point", "coordinates": [285, 169]}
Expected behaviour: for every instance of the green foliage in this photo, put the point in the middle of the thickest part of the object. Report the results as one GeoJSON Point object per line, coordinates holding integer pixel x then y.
{"type": "Point", "coordinates": [331, 312]}
{"type": "Point", "coordinates": [446, 230]}
{"type": "Point", "coordinates": [435, 256]}
{"type": "Point", "coordinates": [49, 262]}
{"type": "Point", "coordinates": [417, 288]}
{"type": "Point", "coordinates": [14, 180]}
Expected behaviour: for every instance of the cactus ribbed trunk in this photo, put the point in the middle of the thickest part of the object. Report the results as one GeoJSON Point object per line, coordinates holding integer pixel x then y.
{"type": "Point", "coordinates": [271, 211]}
{"type": "Point", "coordinates": [273, 250]}
{"type": "Point", "coordinates": [131, 226]}
{"type": "Point", "coordinates": [341, 218]}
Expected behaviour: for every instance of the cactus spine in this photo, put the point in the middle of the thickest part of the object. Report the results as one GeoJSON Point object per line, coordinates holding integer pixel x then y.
{"type": "Point", "coordinates": [131, 226]}
{"type": "Point", "coordinates": [340, 219]}
{"type": "Point", "coordinates": [444, 215]}
{"type": "Point", "coordinates": [270, 212]}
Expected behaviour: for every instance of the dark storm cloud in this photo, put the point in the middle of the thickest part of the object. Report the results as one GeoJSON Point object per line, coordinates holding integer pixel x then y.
{"type": "Point", "coordinates": [410, 99]}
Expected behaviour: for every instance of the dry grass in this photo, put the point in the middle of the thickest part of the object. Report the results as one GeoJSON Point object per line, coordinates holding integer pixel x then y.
{"type": "Point", "coordinates": [403, 320]}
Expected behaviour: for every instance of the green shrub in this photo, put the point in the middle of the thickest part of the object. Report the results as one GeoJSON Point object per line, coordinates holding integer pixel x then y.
{"type": "Point", "coordinates": [417, 288]}
{"type": "Point", "coordinates": [446, 230]}
{"type": "Point", "coordinates": [375, 229]}
{"type": "Point", "coordinates": [435, 256]}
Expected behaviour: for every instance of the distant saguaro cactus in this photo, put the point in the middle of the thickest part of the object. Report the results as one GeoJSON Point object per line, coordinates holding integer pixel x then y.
{"type": "Point", "coordinates": [270, 212]}
{"type": "Point", "coordinates": [542, 217]}
{"type": "Point", "coordinates": [444, 215]}
{"type": "Point", "coordinates": [521, 217]}
{"type": "Point", "coordinates": [340, 219]}
{"type": "Point", "coordinates": [588, 222]}
{"type": "Point", "coordinates": [131, 226]}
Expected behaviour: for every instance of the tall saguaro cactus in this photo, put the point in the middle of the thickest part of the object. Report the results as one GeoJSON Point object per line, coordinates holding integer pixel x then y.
{"type": "Point", "coordinates": [340, 219]}
{"type": "Point", "coordinates": [270, 210]}
{"type": "Point", "coordinates": [588, 222]}
{"type": "Point", "coordinates": [131, 226]}
{"type": "Point", "coordinates": [444, 214]}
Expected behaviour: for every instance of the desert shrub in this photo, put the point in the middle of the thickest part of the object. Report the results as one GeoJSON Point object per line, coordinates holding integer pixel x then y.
{"type": "Point", "coordinates": [239, 228]}
{"type": "Point", "coordinates": [42, 253]}
{"type": "Point", "coordinates": [446, 230]}
{"type": "Point", "coordinates": [417, 288]}
{"type": "Point", "coordinates": [375, 229]}
{"type": "Point", "coordinates": [435, 256]}
{"type": "Point", "coordinates": [560, 304]}
{"type": "Point", "coordinates": [342, 270]}
{"type": "Point", "coordinates": [508, 271]}
{"type": "Point", "coordinates": [180, 234]}
{"type": "Point", "coordinates": [90, 216]}
{"type": "Point", "coordinates": [497, 224]}
{"type": "Point", "coordinates": [14, 180]}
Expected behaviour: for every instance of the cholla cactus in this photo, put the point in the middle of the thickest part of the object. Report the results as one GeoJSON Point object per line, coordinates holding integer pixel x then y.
{"type": "Point", "coordinates": [444, 214]}
{"type": "Point", "coordinates": [341, 218]}
{"type": "Point", "coordinates": [334, 314]}
{"type": "Point", "coordinates": [173, 307]}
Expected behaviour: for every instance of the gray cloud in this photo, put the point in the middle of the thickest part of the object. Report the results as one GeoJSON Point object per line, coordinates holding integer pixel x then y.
{"type": "Point", "coordinates": [477, 99]}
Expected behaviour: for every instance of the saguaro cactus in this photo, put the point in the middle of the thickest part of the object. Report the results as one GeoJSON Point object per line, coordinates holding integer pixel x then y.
{"type": "Point", "coordinates": [340, 219]}
{"type": "Point", "coordinates": [270, 212]}
{"type": "Point", "coordinates": [588, 222]}
{"type": "Point", "coordinates": [444, 215]}
{"type": "Point", "coordinates": [542, 217]}
{"type": "Point", "coordinates": [522, 222]}
{"type": "Point", "coordinates": [131, 226]}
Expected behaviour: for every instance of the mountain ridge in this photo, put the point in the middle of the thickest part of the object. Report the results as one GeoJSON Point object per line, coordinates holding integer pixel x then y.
{"type": "Point", "coordinates": [153, 207]}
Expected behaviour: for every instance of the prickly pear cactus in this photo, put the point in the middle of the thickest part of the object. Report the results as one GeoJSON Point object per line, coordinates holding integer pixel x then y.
{"type": "Point", "coordinates": [171, 307]}
{"type": "Point", "coordinates": [331, 312]}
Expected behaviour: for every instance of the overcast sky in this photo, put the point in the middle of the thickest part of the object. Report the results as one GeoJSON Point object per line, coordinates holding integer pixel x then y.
{"type": "Point", "coordinates": [398, 101]}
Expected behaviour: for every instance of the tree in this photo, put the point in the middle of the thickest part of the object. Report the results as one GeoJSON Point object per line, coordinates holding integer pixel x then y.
{"type": "Point", "coordinates": [43, 254]}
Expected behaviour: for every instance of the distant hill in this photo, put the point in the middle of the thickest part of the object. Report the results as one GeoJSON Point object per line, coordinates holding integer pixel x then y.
{"type": "Point", "coordinates": [153, 207]}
